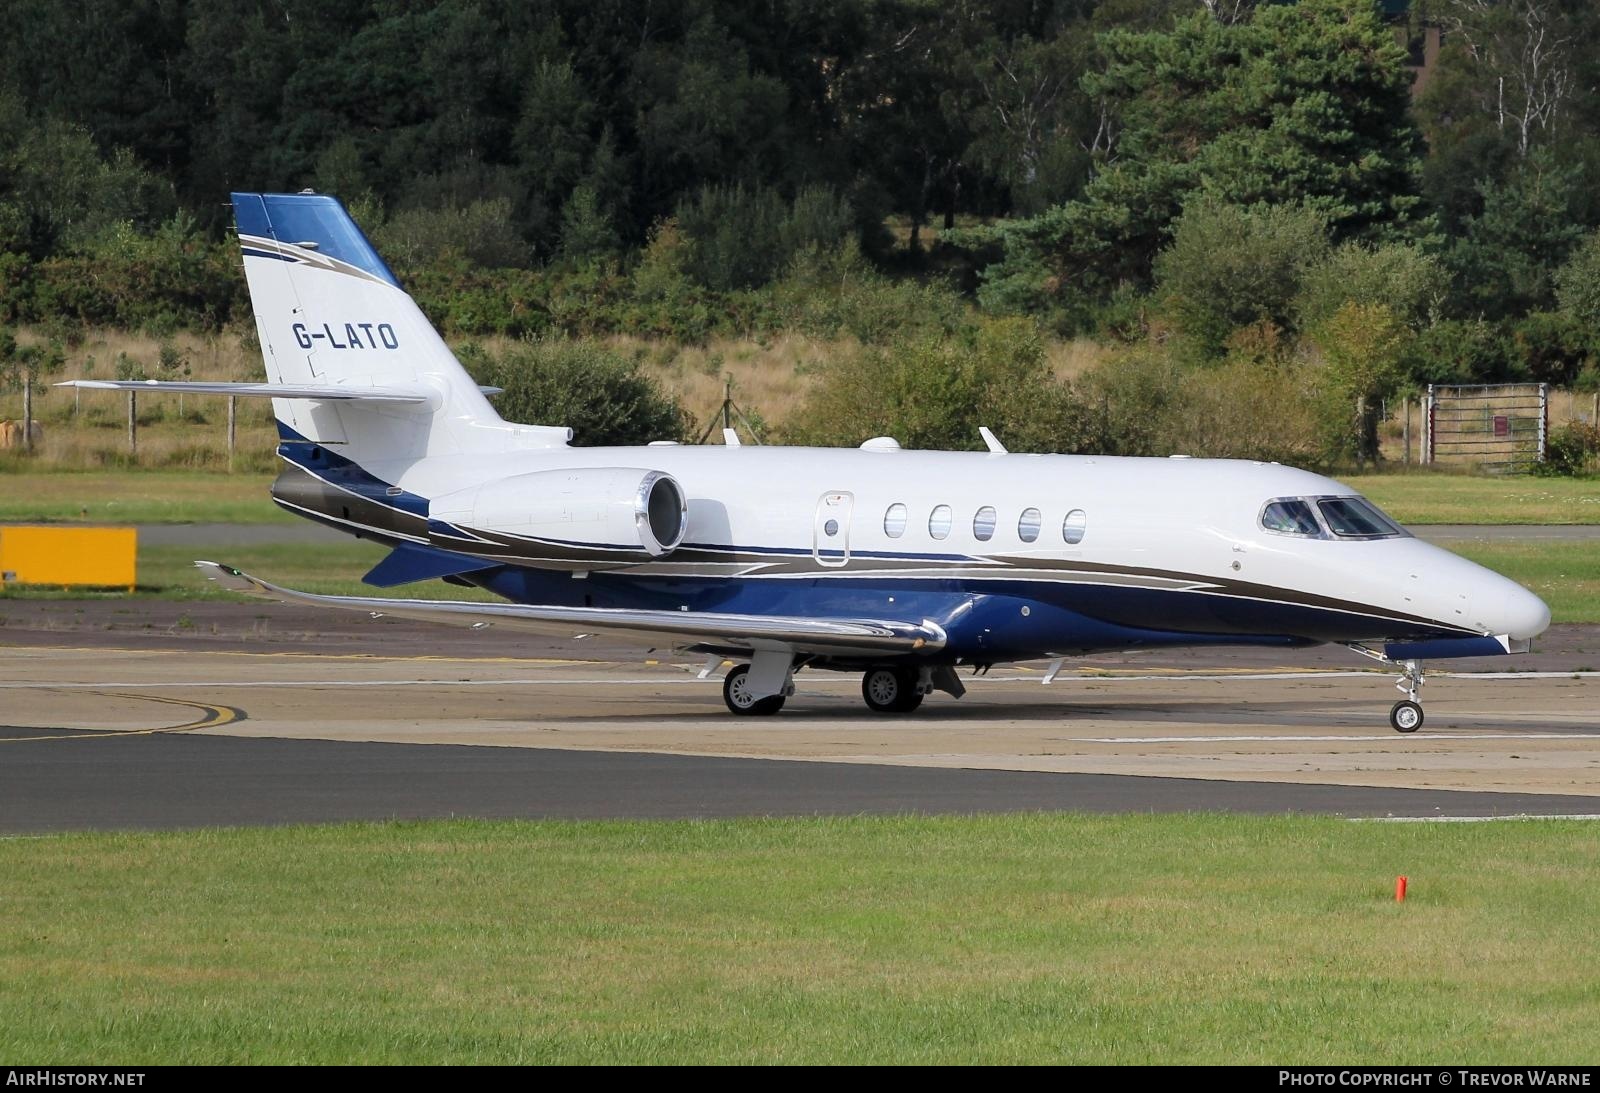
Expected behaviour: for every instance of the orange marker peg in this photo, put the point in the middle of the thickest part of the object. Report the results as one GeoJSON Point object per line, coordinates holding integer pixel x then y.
{"type": "Point", "coordinates": [1400, 889]}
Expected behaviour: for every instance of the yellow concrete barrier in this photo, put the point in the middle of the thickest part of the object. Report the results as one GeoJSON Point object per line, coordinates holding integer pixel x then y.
{"type": "Point", "coordinates": [105, 557]}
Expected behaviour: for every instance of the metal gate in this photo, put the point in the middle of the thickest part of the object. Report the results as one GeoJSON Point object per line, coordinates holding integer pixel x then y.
{"type": "Point", "coordinates": [1500, 426]}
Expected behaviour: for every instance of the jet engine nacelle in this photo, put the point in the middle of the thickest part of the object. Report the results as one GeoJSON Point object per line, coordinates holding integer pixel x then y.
{"type": "Point", "coordinates": [622, 513]}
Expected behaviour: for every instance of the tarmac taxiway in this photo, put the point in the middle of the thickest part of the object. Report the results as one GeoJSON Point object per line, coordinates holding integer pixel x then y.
{"type": "Point", "coordinates": [219, 723]}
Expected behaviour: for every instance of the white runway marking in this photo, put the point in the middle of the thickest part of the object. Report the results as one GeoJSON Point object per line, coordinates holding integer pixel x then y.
{"type": "Point", "coordinates": [1286, 738]}
{"type": "Point", "coordinates": [846, 679]}
{"type": "Point", "coordinates": [343, 683]}
{"type": "Point", "coordinates": [1469, 819]}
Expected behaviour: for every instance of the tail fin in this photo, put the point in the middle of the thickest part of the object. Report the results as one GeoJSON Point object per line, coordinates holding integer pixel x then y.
{"type": "Point", "coordinates": [330, 312]}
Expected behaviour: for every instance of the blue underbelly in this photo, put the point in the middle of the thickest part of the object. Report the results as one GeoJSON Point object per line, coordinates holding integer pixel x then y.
{"type": "Point", "coordinates": [985, 620]}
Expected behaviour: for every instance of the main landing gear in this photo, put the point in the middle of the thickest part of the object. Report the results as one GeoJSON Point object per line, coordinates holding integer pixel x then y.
{"type": "Point", "coordinates": [741, 697]}
{"type": "Point", "coordinates": [758, 689]}
{"type": "Point", "coordinates": [1405, 715]}
{"type": "Point", "coordinates": [891, 690]}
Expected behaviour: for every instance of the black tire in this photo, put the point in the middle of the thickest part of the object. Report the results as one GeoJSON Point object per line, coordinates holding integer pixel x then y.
{"type": "Point", "coordinates": [737, 697]}
{"type": "Point", "coordinates": [890, 690]}
{"type": "Point", "coordinates": [1405, 716]}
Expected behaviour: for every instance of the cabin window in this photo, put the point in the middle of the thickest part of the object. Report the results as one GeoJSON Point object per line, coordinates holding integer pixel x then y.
{"type": "Point", "coordinates": [894, 521]}
{"type": "Point", "coordinates": [1028, 525]}
{"type": "Point", "coordinates": [1357, 518]}
{"type": "Point", "coordinates": [831, 528]}
{"type": "Point", "coordinates": [1072, 527]}
{"type": "Point", "coordinates": [1291, 516]}
{"type": "Point", "coordinates": [983, 523]}
{"type": "Point", "coordinates": [939, 522]}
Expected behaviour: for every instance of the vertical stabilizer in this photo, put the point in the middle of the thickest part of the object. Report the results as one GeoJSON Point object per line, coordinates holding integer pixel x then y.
{"type": "Point", "coordinates": [329, 311]}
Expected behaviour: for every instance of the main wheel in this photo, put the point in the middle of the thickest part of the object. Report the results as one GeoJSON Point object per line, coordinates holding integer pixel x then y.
{"type": "Point", "coordinates": [742, 700]}
{"type": "Point", "coordinates": [890, 690]}
{"type": "Point", "coordinates": [1406, 716]}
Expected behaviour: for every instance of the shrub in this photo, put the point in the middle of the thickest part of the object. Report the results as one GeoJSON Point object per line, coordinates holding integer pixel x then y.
{"type": "Point", "coordinates": [1248, 409]}
{"type": "Point", "coordinates": [1572, 449]}
{"type": "Point", "coordinates": [934, 391]}
{"type": "Point", "coordinates": [1578, 285]}
{"type": "Point", "coordinates": [1551, 346]}
{"type": "Point", "coordinates": [733, 236]}
{"type": "Point", "coordinates": [1461, 351]}
{"type": "Point", "coordinates": [1410, 282]}
{"type": "Point", "coordinates": [480, 232]}
{"type": "Point", "coordinates": [595, 391]}
{"type": "Point", "coordinates": [1132, 397]}
{"type": "Point", "coordinates": [741, 238]}
{"type": "Point", "coordinates": [818, 219]}
{"type": "Point", "coordinates": [829, 293]}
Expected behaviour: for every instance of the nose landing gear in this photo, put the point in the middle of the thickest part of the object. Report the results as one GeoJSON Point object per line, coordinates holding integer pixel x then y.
{"type": "Point", "coordinates": [1405, 715]}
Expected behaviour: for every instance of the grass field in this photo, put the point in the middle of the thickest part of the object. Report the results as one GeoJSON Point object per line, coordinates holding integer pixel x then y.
{"type": "Point", "coordinates": [1442, 498]}
{"type": "Point", "coordinates": [168, 573]}
{"type": "Point", "coordinates": [138, 497]}
{"type": "Point", "coordinates": [331, 568]}
{"type": "Point", "coordinates": [1047, 938]}
{"type": "Point", "coordinates": [1566, 575]}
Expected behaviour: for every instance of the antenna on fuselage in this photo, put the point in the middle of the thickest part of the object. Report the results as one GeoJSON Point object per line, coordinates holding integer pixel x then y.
{"type": "Point", "coordinates": [991, 440]}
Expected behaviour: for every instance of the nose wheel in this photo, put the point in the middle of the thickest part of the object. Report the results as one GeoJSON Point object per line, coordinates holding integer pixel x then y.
{"type": "Point", "coordinates": [1405, 716]}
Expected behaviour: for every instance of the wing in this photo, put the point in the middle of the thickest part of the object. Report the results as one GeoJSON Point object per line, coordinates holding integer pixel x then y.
{"type": "Point", "coordinates": [696, 629]}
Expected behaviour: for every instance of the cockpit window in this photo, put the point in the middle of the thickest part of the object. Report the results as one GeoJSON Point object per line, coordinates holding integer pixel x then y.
{"type": "Point", "coordinates": [1291, 516]}
{"type": "Point", "coordinates": [1357, 518]}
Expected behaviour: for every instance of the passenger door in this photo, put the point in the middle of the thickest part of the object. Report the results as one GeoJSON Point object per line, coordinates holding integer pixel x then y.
{"type": "Point", "coordinates": [830, 531]}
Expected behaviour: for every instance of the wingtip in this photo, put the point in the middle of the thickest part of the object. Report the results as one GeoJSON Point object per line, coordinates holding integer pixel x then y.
{"type": "Point", "coordinates": [228, 577]}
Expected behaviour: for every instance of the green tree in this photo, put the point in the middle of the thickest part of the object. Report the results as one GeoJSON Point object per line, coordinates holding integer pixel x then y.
{"type": "Point", "coordinates": [1518, 63]}
{"type": "Point", "coordinates": [21, 367]}
{"type": "Point", "coordinates": [552, 141]}
{"type": "Point", "coordinates": [1300, 104]}
{"type": "Point", "coordinates": [586, 231]}
{"type": "Point", "coordinates": [1230, 266]}
{"type": "Point", "coordinates": [1364, 349]}
{"type": "Point", "coordinates": [58, 192]}
{"type": "Point", "coordinates": [1578, 284]}
{"type": "Point", "coordinates": [1504, 265]}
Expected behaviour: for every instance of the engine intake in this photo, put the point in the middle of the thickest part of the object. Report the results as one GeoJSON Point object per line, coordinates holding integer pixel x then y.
{"type": "Point", "coordinates": [578, 515]}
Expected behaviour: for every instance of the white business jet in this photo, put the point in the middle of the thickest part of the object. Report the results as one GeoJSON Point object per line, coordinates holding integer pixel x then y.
{"type": "Point", "coordinates": [904, 566]}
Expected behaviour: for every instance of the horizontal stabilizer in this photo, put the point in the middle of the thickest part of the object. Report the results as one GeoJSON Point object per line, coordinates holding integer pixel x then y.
{"type": "Point", "coordinates": [409, 394]}
{"type": "Point", "coordinates": [408, 564]}
{"type": "Point", "coordinates": [698, 630]}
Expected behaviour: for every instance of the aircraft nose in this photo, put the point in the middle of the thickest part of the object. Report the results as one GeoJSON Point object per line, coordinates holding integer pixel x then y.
{"type": "Point", "coordinates": [1522, 614]}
